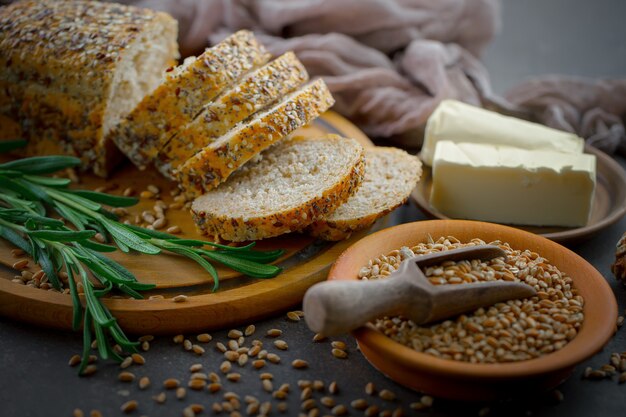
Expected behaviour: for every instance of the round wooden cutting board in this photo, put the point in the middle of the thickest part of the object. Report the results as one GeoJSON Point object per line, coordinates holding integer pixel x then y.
{"type": "Point", "coordinates": [239, 299]}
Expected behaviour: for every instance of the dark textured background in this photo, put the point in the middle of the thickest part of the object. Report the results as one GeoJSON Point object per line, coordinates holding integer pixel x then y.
{"type": "Point", "coordinates": [537, 37]}
{"type": "Point", "coordinates": [575, 37]}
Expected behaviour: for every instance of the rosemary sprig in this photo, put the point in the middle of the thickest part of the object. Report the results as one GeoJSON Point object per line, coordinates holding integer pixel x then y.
{"type": "Point", "coordinates": [27, 199]}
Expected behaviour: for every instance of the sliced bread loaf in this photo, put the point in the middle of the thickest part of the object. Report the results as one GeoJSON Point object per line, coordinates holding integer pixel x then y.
{"type": "Point", "coordinates": [76, 68]}
{"type": "Point", "coordinates": [257, 90]}
{"type": "Point", "coordinates": [390, 176]}
{"type": "Point", "coordinates": [295, 183]}
{"type": "Point", "coordinates": [183, 93]}
{"type": "Point", "coordinates": [213, 164]}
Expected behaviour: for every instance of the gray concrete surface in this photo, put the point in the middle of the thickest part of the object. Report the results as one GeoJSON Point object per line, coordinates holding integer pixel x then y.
{"type": "Point", "coordinates": [537, 37]}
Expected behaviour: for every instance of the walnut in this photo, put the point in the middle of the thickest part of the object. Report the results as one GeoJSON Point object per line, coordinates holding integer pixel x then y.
{"type": "Point", "coordinates": [619, 267]}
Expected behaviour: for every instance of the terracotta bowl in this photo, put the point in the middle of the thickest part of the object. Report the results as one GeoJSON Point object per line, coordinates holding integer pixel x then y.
{"type": "Point", "coordinates": [465, 381]}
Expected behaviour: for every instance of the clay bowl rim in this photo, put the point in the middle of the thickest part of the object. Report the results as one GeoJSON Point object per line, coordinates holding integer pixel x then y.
{"type": "Point", "coordinates": [600, 307]}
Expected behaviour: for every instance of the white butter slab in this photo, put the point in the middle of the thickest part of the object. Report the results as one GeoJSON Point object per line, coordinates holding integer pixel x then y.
{"type": "Point", "coordinates": [514, 186]}
{"type": "Point", "coordinates": [459, 122]}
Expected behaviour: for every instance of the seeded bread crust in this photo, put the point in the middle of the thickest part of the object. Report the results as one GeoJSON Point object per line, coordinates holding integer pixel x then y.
{"type": "Point", "coordinates": [348, 219]}
{"type": "Point", "coordinates": [61, 59]}
{"type": "Point", "coordinates": [44, 133]}
{"type": "Point", "coordinates": [257, 90]}
{"type": "Point", "coordinates": [239, 229]}
{"type": "Point", "coordinates": [183, 93]}
{"type": "Point", "coordinates": [216, 162]}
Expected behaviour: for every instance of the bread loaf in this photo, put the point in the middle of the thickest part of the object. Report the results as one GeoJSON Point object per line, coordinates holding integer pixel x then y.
{"type": "Point", "coordinates": [183, 93]}
{"type": "Point", "coordinates": [295, 183]}
{"type": "Point", "coordinates": [72, 69]}
{"type": "Point", "coordinates": [258, 89]}
{"type": "Point", "coordinates": [390, 176]}
{"type": "Point", "coordinates": [213, 164]}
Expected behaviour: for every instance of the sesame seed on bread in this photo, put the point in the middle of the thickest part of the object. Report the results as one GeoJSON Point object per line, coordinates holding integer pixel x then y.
{"type": "Point", "coordinates": [217, 161]}
{"type": "Point", "coordinates": [73, 69]}
{"type": "Point", "coordinates": [183, 93]}
{"type": "Point", "coordinates": [390, 176]}
{"type": "Point", "coordinates": [255, 91]}
{"type": "Point", "coordinates": [295, 183]}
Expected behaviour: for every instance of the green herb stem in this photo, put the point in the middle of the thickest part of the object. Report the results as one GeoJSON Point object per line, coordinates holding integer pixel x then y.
{"type": "Point", "coordinates": [27, 198]}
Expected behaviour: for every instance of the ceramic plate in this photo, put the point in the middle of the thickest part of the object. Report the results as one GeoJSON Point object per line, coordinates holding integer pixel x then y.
{"type": "Point", "coordinates": [467, 381]}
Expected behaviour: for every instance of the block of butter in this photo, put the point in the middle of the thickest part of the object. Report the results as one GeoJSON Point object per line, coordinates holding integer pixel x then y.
{"type": "Point", "coordinates": [510, 185]}
{"type": "Point", "coordinates": [460, 122]}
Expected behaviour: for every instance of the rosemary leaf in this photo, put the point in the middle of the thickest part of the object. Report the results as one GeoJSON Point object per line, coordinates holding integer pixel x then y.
{"type": "Point", "coordinates": [113, 354]}
{"type": "Point", "coordinates": [200, 243]}
{"type": "Point", "coordinates": [119, 336]}
{"type": "Point", "coordinates": [108, 199]}
{"type": "Point", "coordinates": [70, 215]}
{"type": "Point", "coordinates": [62, 235]}
{"type": "Point", "coordinates": [37, 165]}
{"type": "Point", "coordinates": [122, 234]}
{"type": "Point", "coordinates": [94, 306]}
{"type": "Point", "coordinates": [140, 286]}
{"type": "Point", "coordinates": [11, 145]}
{"type": "Point", "coordinates": [102, 271]}
{"type": "Point", "coordinates": [18, 216]}
{"type": "Point", "coordinates": [257, 256]}
{"type": "Point", "coordinates": [101, 292]}
{"type": "Point", "coordinates": [98, 227]}
{"type": "Point", "coordinates": [21, 190]}
{"type": "Point", "coordinates": [99, 247]}
{"type": "Point", "coordinates": [9, 173]}
{"type": "Point", "coordinates": [15, 238]}
{"type": "Point", "coordinates": [181, 250]}
{"type": "Point", "coordinates": [44, 261]}
{"type": "Point", "coordinates": [86, 342]}
{"type": "Point", "coordinates": [128, 290]}
{"type": "Point", "coordinates": [119, 269]}
{"type": "Point", "coordinates": [70, 268]}
{"type": "Point", "coordinates": [74, 200]}
{"type": "Point", "coordinates": [148, 233]}
{"type": "Point", "coordinates": [48, 181]}
{"type": "Point", "coordinates": [101, 341]}
{"type": "Point", "coordinates": [244, 266]}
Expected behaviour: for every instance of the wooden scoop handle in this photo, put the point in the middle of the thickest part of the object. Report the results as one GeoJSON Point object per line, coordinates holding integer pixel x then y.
{"type": "Point", "coordinates": [451, 300]}
{"type": "Point", "coordinates": [336, 307]}
{"type": "Point", "coordinates": [482, 252]}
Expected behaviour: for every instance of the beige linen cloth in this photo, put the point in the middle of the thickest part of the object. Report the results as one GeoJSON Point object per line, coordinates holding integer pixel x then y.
{"type": "Point", "coordinates": [390, 62]}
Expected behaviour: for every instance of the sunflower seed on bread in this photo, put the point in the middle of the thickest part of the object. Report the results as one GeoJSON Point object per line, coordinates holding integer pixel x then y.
{"type": "Point", "coordinates": [217, 161]}
{"type": "Point", "coordinates": [183, 93]}
{"type": "Point", "coordinates": [296, 182]}
{"type": "Point", "coordinates": [255, 91]}
{"type": "Point", "coordinates": [390, 176]}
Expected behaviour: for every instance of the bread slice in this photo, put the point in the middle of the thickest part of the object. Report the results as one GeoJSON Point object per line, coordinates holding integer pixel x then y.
{"type": "Point", "coordinates": [295, 183]}
{"type": "Point", "coordinates": [257, 90]}
{"type": "Point", "coordinates": [390, 176]}
{"type": "Point", "coordinates": [183, 93]}
{"type": "Point", "coordinates": [76, 68]}
{"type": "Point", "coordinates": [213, 164]}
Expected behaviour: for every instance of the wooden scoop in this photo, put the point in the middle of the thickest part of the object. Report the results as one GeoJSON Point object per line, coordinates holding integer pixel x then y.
{"type": "Point", "coordinates": [335, 307]}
